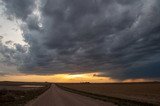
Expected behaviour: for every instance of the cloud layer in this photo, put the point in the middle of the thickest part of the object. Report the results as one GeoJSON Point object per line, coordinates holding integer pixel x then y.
{"type": "Point", "coordinates": [118, 38]}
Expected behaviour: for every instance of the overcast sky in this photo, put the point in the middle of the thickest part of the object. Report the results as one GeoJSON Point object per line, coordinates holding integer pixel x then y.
{"type": "Point", "coordinates": [119, 39]}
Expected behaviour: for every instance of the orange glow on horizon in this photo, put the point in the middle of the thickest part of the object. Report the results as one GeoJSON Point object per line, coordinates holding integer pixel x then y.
{"type": "Point", "coordinates": [136, 80]}
{"type": "Point", "coordinates": [66, 78]}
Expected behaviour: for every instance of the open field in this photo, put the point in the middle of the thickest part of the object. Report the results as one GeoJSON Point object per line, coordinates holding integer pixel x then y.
{"type": "Point", "coordinates": [19, 93]}
{"type": "Point", "coordinates": [121, 94]}
{"type": "Point", "coordinates": [20, 85]}
{"type": "Point", "coordinates": [136, 92]}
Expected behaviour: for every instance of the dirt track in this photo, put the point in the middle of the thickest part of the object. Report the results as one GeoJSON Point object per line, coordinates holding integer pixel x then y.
{"type": "Point", "coordinates": [55, 96]}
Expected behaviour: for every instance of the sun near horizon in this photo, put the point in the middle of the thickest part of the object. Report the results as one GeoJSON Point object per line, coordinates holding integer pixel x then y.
{"type": "Point", "coordinates": [80, 41]}
{"type": "Point", "coordinates": [65, 78]}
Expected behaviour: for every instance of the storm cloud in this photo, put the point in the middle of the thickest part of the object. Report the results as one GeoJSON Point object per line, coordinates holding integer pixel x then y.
{"type": "Point", "coordinates": [118, 38]}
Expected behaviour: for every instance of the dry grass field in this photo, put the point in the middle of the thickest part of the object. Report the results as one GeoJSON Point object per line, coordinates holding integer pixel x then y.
{"type": "Point", "coordinates": [19, 93]}
{"type": "Point", "coordinates": [144, 92]}
{"type": "Point", "coordinates": [20, 85]}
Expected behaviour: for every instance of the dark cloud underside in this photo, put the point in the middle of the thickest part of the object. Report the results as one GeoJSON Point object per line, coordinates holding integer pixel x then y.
{"type": "Point", "coordinates": [119, 38]}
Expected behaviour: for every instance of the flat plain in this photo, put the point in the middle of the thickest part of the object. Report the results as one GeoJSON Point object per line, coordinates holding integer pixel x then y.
{"type": "Point", "coordinates": [19, 93]}
{"type": "Point", "coordinates": [148, 92]}
{"type": "Point", "coordinates": [40, 94]}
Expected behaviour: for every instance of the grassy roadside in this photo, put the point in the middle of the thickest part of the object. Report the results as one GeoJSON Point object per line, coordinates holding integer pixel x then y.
{"type": "Point", "coordinates": [115, 100]}
{"type": "Point", "coordinates": [20, 97]}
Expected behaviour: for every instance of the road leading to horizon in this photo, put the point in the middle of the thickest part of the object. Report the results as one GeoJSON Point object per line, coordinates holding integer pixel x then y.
{"type": "Point", "coordinates": [55, 96]}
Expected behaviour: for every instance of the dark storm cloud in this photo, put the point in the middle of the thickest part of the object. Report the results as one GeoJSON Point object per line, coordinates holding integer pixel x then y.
{"type": "Point", "coordinates": [119, 38]}
{"type": "Point", "coordinates": [19, 8]}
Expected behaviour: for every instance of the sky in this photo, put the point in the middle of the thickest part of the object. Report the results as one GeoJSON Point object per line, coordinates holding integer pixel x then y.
{"type": "Point", "coordinates": [80, 41]}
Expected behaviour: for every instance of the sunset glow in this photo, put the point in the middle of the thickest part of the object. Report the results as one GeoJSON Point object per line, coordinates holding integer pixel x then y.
{"type": "Point", "coordinates": [80, 41]}
{"type": "Point", "coordinates": [57, 78]}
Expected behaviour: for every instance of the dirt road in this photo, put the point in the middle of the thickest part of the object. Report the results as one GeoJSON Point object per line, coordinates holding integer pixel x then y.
{"type": "Point", "coordinates": [55, 96]}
